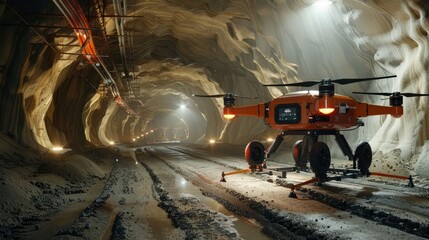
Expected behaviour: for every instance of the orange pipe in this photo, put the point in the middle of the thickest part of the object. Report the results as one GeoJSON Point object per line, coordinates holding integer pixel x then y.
{"type": "Point", "coordinates": [296, 186]}
{"type": "Point", "coordinates": [236, 172]}
{"type": "Point", "coordinates": [75, 16]}
{"type": "Point", "coordinates": [389, 175]}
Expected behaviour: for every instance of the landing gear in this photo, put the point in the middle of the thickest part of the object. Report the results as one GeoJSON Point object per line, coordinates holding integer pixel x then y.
{"type": "Point", "coordinates": [255, 155]}
{"type": "Point", "coordinates": [318, 155]}
{"type": "Point", "coordinates": [297, 152]}
{"type": "Point", "coordinates": [320, 159]}
{"type": "Point", "coordinates": [363, 155]}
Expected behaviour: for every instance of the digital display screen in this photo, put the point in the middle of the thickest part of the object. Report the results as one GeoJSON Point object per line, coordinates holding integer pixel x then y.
{"type": "Point", "coordinates": [288, 113]}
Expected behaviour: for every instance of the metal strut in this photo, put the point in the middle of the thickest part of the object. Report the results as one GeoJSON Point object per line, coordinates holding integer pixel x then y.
{"type": "Point", "coordinates": [275, 145]}
{"type": "Point", "coordinates": [409, 178]}
{"type": "Point", "coordinates": [222, 179]}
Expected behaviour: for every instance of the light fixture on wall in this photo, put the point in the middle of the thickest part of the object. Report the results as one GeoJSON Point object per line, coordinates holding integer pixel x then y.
{"type": "Point", "coordinates": [57, 149]}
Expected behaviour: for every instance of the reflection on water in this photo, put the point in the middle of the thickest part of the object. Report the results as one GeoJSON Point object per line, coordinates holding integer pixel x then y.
{"type": "Point", "coordinates": [162, 226]}
{"type": "Point", "coordinates": [247, 228]}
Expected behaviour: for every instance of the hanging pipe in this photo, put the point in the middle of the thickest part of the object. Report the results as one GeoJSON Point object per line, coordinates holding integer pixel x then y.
{"type": "Point", "coordinates": [75, 16]}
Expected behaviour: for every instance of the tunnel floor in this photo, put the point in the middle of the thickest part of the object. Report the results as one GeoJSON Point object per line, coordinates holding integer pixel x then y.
{"type": "Point", "coordinates": [173, 191]}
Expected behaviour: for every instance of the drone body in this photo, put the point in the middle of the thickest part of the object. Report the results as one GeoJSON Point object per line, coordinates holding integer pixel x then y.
{"type": "Point", "coordinates": [308, 110]}
{"type": "Point", "coordinates": [312, 114]}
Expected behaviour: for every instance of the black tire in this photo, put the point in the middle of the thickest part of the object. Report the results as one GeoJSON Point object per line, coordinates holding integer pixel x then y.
{"type": "Point", "coordinates": [363, 156]}
{"type": "Point", "coordinates": [320, 159]}
{"type": "Point", "coordinates": [254, 153]}
{"type": "Point", "coordinates": [297, 152]}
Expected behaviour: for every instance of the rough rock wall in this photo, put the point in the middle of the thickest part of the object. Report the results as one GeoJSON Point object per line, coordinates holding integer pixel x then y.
{"type": "Point", "coordinates": [396, 35]}
{"type": "Point", "coordinates": [43, 93]}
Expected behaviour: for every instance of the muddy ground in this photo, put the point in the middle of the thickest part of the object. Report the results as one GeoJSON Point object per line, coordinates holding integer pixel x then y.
{"type": "Point", "coordinates": [174, 192]}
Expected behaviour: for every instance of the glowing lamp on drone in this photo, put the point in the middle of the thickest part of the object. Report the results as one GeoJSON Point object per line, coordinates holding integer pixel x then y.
{"type": "Point", "coordinates": [228, 116]}
{"type": "Point", "coordinates": [325, 105]}
{"type": "Point", "coordinates": [228, 113]}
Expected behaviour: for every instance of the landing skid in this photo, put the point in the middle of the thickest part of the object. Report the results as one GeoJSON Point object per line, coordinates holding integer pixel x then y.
{"type": "Point", "coordinates": [341, 173]}
{"type": "Point", "coordinates": [317, 153]}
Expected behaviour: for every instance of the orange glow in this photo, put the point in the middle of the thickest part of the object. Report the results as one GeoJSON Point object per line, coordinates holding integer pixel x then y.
{"type": "Point", "coordinates": [326, 110]}
{"type": "Point", "coordinates": [228, 113]}
{"type": "Point", "coordinates": [229, 116]}
{"type": "Point", "coordinates": [325, 105]}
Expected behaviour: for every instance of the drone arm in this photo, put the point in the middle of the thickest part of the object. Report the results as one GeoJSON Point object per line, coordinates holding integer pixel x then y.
{"type": "Point", "coordinates": [365, 110]}
{"type": "Point", "coordinates": [252, 110]}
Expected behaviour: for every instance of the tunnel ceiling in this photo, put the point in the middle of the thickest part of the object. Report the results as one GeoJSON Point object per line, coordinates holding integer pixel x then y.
{"type": "Point", "coordinates": [159, 53]}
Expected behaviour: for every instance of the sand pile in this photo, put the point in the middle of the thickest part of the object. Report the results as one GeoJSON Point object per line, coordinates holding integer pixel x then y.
{"type": "Point", "coordinates": [74, 168]}
{"type": "Point", "coordinates": [17, 194]}
{"type": "Point", "coordinates": [35, 185]}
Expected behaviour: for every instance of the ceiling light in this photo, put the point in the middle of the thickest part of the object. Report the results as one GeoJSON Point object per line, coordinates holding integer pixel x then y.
{"type": "Point", "coordinates": [212, 141]}
{"type": "Point", "coordinates": [322, 3]}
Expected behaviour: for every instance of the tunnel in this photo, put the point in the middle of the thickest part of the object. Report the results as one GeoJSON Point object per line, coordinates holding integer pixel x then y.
{"type": "Point", "coordinates": [107, 105]}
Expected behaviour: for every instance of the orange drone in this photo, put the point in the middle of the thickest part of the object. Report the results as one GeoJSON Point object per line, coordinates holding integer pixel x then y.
{"type": "Point", "coordinates": [314, 113]}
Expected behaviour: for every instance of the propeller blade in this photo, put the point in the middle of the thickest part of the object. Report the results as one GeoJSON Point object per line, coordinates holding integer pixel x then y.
{"type": "Point", "coordinates": [373, 93]}
{"type": "Point", "coordinates": [344, 81]}
{"type": "Point", "coordinates": [396, 94]}
{"type": "Point", "coordinates": [223, 95]}
{"type": "Point", "coordinates": [415, 94]}
{"type": "Point", "coordinates": [245, 97]}
{"type": "Point", "coordinates": [341, 81]}
{"type": "Point", "coordinates": [215, 96]}
{"type": "Point", "coordinates": [299, 84]}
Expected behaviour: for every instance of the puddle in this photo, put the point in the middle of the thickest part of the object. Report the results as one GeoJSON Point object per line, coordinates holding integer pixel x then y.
{"type": "Point", "coordinates": [246, 228]}
{"type": "Point", "coordinates": [67, 215]}
{"type": "Point", "coordinates": [162, 227]}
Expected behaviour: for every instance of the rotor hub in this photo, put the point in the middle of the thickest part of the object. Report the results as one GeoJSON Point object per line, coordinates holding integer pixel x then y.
{"type": "Point", "coordinates": [326, 88]}
{"type": "Point", "coordinates": [229, 100]}
{"type": "Point", "coordinates": [396, 99]}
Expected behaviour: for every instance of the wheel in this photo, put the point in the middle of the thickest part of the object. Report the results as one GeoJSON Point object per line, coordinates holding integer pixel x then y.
{"type": "Point", "coordinates": [363, 156]}
{"type": "Point", "coordinates": [254, 153]}
{"type": "Point", "coordinates": [297, 152]}
{"type": "Point", "coordinates": [320, 159]}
